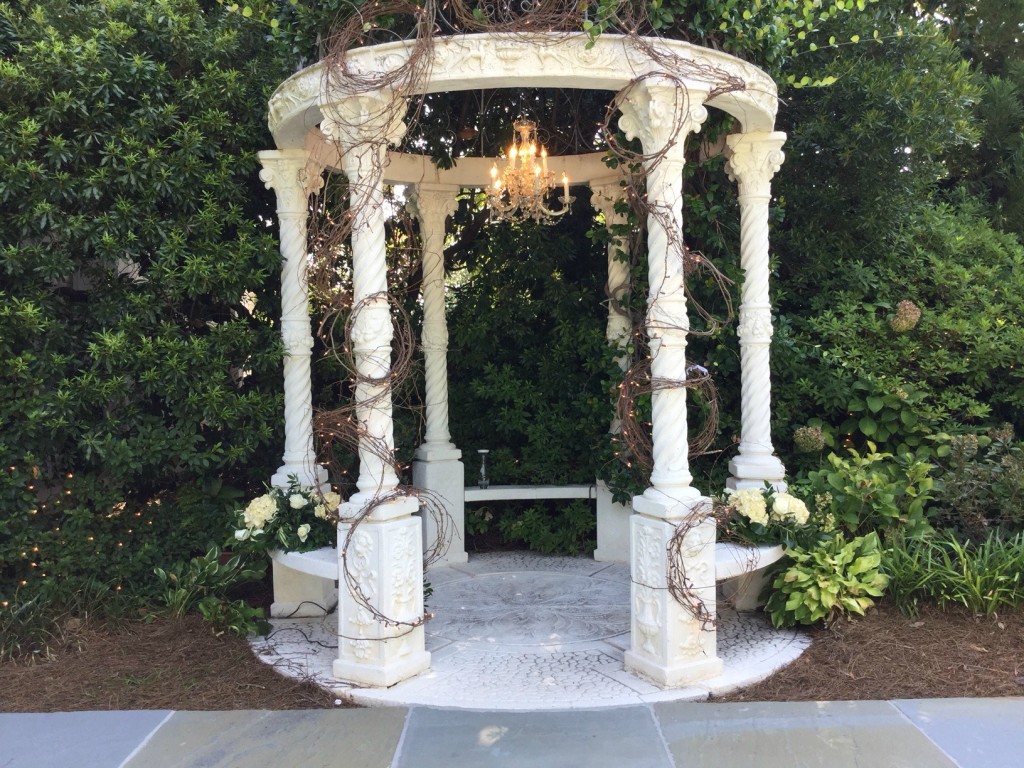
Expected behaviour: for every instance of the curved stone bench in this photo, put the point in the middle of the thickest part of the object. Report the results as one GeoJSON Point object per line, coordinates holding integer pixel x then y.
{"type": "Point", "coordinates": [305, 583]}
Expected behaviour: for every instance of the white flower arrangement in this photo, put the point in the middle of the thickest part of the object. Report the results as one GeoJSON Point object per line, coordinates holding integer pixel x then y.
{"type": "Point", "coordinates": [294, 518]}
{"type": "Point", "coordinates": [762, 515]}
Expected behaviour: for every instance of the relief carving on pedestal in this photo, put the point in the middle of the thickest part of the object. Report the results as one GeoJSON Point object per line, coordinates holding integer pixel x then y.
{"type": "Point", "coordinates": [646, 607]}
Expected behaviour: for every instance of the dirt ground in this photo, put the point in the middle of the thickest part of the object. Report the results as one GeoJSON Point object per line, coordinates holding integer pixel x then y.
{"type": "Point", "coordinates": [181, 665]}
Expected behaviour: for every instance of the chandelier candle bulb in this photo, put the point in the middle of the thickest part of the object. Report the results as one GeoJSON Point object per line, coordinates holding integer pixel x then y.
{"type": "Point", "coordinates": [565, 186]}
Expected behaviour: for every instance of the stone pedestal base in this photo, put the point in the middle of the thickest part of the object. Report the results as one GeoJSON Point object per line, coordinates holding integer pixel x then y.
{"type": "Point", "coordinates": [384, 563]}
{"type": "Point", "coordinates": [300, 595]}
{"type": "Point", "coordinates": [444, 476]}
{"type": "Point", "coordinates": [754, 471]}
{"type": "Point", "coordinates": [668, 644]}
{"type": "Point", "coordinates": [612, 528]}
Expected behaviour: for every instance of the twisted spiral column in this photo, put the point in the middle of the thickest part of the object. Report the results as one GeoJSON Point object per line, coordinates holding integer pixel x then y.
{"type": "Point", "coordinates": [603, 198]}
{"type": "Point", "coordinates": [432, 204]}
{"type": "Point", "coordinates": [293, 176]}
{"type": "Point", "coordinates": [661, 116]}
{"type": "Point", "coordinates": [753, 158]}
{"type": "Point", "coordinates": [363, 127]}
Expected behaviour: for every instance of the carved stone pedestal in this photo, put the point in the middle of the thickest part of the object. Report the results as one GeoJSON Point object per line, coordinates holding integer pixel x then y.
{"type": "Point", "coordinates": [384, 559]}
{"type": "Point", "coordinates": [668, 644]}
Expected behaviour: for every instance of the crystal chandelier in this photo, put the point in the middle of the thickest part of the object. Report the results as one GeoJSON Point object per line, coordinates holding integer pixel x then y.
{"type": "Point", "coordinates": [517, 193]}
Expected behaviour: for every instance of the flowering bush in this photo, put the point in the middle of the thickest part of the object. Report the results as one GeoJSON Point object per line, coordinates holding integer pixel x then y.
{"type": "Point", "coordinates": [295, 519]}
{"type": "Point", "coordinates": [763, 516]}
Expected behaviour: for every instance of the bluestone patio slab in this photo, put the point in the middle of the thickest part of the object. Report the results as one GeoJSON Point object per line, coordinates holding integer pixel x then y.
{"type": "Point", "coordinates": [795, 735]}
{"type": "Point", "coordinates": [606, 738]}
{"type": "Point", "coordinates": [256, 739]}
{"type": "Point", "coordinates": [81, 739]}
{"type": "Point", "coordinates": [987, 733]}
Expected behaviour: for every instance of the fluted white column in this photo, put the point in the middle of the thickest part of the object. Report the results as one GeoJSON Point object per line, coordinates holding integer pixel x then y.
{"type": "Point", "coordinates": [668, 642]}
{"type": "Point", "coordinates": [293, 177]}
{"type": "Point", "coordinates": [437, 467]}
{"type": "Point", "coordinates": [753, 158]}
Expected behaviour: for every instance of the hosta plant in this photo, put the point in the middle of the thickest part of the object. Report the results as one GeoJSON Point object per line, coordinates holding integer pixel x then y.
{"type": "Point", "coordinates": [825, 582]}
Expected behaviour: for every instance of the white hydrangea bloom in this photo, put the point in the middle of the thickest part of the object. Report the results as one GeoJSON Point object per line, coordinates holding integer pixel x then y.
{"type": "Point", "coordinates": [332, 500]}
{"type": "Point", "coordinates": [750, 504]}
{"type": "Point", "coordinates": [260, 511]}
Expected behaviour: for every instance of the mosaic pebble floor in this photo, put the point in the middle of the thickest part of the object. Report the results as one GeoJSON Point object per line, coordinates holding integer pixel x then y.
{"type": "Point", "coordinates": [522, 631]}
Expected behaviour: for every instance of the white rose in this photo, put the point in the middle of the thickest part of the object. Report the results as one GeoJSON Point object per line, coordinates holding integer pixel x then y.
{"type": "Point", "coordinates": [785, 506]}
{"type": "Point", "coordinates": [242, 534]}
{"type": "Point", "coordinates": [320, 511]}
{"type": "Point", "coordinates": [303, 532]}
{"type": "Point", "coordinates": [297, 501]}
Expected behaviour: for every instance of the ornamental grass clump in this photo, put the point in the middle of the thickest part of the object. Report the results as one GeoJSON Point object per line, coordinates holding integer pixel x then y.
{"type": "Point", "coordinates": [295, 519]}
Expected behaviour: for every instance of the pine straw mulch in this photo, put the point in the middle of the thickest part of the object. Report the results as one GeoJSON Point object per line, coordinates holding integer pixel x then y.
{"type": "Point", "coordinates": [181, 665]}
{"type": "Point", "coordinates": [939, 654]}
{"type": "Point", "coordinates": [167, 664]}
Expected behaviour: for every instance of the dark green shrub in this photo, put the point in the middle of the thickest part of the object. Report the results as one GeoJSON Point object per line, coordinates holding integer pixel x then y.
{"type": "Point", "coordinates": [138, 357]}
{"type": "Point", "coordinates": [982, 482]}
{"type": "Point", "coordinates": [873, 492]}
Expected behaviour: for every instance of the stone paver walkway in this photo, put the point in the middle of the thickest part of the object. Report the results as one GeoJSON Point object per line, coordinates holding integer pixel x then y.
{"type": "Point", "coordinates": [943, 733]}
{"type": "Point", "coordinates": [522, 631]}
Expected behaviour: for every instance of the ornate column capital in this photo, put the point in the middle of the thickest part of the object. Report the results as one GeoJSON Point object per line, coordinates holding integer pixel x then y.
{"type": "Point", "coordinates": [752, 160]}
{"type": "Point", "coordinates": [662, 114]}
{"type": "Point", "coordinates": [293, 175]}
{"type": "Point", "coordinates": [363, 126]}
{"type": "Point", "coordinates": [604, 197]}
{"type": "Point", "coordinates": [433, 203]}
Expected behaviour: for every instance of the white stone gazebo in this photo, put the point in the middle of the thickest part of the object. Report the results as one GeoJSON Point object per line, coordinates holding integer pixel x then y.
{"type": "Point", "coordinates": [318, 126]}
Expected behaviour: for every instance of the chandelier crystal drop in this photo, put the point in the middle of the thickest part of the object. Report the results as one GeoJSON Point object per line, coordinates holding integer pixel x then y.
{"type": "Point", "coordinates": [518, 192]}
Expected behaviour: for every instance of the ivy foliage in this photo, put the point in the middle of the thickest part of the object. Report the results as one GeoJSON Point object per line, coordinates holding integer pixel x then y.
{"type": "Point", "coordinates": [138, 360]}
